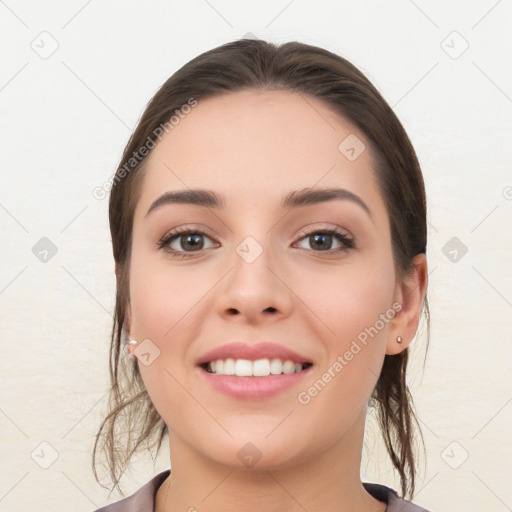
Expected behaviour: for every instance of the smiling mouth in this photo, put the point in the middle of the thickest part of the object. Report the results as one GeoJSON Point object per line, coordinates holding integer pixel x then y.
{"type": "Point", "coordinates": [258, 368]}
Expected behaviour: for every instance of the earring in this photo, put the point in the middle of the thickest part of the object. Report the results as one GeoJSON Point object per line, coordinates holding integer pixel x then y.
{"type": "Point", "coordinates": [129, 355]}
{"type": "Point", "coordinates": [399, 339]}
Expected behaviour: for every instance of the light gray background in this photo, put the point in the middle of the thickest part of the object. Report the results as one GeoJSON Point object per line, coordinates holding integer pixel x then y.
{"type": "Point", "coordinates": [67, 115]}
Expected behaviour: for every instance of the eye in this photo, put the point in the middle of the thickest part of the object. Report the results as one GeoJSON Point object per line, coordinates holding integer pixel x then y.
{"type": "Point", "coordinates": [322, 240]}
{"type": "Point", "coordinates": [182, 241]}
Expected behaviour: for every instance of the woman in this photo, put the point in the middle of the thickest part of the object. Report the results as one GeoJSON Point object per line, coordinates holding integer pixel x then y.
{"type": "Point", "coordinates": [268, 224]}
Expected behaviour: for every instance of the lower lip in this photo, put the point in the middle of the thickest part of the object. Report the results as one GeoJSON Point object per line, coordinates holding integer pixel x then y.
{"type": "Point", "coordinates": [253, 387]}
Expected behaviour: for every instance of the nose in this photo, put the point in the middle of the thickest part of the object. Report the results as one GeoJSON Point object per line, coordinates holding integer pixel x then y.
{"type": "Point", "coordinates": [256, 288]}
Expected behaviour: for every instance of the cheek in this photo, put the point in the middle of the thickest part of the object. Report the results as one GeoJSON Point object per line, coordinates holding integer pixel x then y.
{"type": "Point", "coordinates": [165, 302]}
{"type": "Point", "coordinates": [339, 390]}
{"type": "Point", "coordinates": [168, 306]}
{"type": "Point", "coordinates": [349, 299]}
{"type": "Point", "coordinates": [163, 297]}
{"type": "Point", "coordinates": [355, 304]}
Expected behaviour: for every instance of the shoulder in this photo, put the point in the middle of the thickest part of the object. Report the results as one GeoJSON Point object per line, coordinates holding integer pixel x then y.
{"type": "Point", "coordinates": [391, 498]}
{"type": "Point", "coordinates": [142, 500]}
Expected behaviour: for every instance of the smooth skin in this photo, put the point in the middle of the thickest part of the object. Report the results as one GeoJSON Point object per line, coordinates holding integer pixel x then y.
{"type": "Point", "coordinates": [253, 147]}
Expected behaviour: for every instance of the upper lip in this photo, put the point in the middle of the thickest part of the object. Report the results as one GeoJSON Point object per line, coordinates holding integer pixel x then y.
{"type": "Point", "coordinates": [252, 352]}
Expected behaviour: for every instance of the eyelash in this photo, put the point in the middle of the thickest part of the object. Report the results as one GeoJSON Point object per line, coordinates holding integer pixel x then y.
{"type": "Point", "coordinates": [166, 240]}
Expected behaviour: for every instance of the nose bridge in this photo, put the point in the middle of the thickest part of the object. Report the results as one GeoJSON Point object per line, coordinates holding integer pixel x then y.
{"type": "Point", "coordinates": [253, 243]}
{"type": "Point", "coordinates": [252, 260]}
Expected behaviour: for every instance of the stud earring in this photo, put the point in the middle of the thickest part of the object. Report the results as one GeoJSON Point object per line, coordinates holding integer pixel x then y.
{"type": "Point", "coordinates": [399, 339]}
{"type": "Point", "coordinates": [128, 354]}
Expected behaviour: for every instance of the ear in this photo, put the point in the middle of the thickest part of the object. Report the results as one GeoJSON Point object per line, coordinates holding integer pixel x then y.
{"type": "Point", "coordinates": [409, 294]}
{"type": "Point", "coordinates": [128, 312]}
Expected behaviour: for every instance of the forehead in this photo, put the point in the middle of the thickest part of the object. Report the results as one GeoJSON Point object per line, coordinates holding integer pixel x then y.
{"type": "Point", "coordinates": [251, 143]}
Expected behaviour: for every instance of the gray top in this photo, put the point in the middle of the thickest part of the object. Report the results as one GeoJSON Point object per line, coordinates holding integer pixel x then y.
{"type": "Point", "coordinates": [143, 500]}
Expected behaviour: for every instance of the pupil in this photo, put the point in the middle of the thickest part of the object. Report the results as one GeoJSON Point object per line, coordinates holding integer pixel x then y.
{"type": "Point", "coordinates": [321, 237]}
{"type": "Point", "coordinates": [194, 245]}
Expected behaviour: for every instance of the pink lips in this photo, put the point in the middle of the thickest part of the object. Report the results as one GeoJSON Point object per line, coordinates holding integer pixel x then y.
{"type": "Point", "coordinates": [252, 387]}
{"type": "Point", "coordinates": [263, 350]}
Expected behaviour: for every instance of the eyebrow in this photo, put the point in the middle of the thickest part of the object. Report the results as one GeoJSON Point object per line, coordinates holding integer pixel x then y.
{"type": "Point", "coordinates": [294, 199]}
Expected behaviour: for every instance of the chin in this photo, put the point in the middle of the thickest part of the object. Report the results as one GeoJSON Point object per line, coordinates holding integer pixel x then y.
{"type": "Point", "coordinates": [256, 452]}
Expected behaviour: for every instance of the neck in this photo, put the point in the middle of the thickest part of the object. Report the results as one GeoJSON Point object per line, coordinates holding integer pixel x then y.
{"type": "Point", "coordinates": [330, 482]}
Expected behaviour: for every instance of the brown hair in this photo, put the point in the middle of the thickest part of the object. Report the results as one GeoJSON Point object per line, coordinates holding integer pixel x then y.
{"type": "Point", "coordinates": [255, 64]}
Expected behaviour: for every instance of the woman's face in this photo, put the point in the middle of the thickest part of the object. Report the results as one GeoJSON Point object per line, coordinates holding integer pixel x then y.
{"type": "Point", "coordinates": [261, 280]}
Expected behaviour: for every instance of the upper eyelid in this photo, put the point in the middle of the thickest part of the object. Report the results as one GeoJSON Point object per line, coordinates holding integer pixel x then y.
{"type": "Point", "coordinates": [204, 231]}
{"type": "Point", "coordinates": [337, 229]}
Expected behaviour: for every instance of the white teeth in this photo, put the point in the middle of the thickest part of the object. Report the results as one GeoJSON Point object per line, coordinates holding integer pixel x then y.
{"type": "Point", "coordinates": [288, 367]}
{"type": "Point", "coordinates": [258, 368]}
{"type": "Point", "coordinates": [243, 368]}
{"type": "Point", "coordinates": [276, 366]}
{"type": "Point", "coordinates": [229, 367]}
{"type": "Point", "coordinates": [261, 368]}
